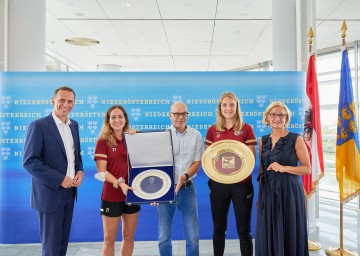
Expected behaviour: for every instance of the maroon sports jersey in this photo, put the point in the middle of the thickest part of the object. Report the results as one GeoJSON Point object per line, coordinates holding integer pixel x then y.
{"type": "Point", "coordinates": [117, 165]}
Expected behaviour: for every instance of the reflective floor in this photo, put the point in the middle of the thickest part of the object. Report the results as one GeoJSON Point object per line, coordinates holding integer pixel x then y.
{"type": "Point", "coordinates": [327, 232]}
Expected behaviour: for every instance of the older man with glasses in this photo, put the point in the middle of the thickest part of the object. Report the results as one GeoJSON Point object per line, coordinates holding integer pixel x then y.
{"type": "Point", "coordinates": [188, 149]}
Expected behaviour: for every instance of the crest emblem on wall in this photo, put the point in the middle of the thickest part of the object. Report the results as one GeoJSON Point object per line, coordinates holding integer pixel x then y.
{"type": "Point", "coordinates": [302, 113]}
{"type": "Point", "coordinates": [260, 125]}
{"type": "Point", "coordinates": [5, 101]}
{"type": "Point", "coordinates": [5, 127]}
{"type": "Point", "coordinates": [5, 153]}
{"type": "Point", "coordinates": [92, 126]}
{"type": "Point", "coordinates": [90, 152]}
{"type": "Point", "coordinates": [176, 98]}
{"type": "Point", "coordinates": [92, 101]}
{"type": "Point", "coordinates": [261, 100]}
{"type": "Point", "coordinates": [135, 113]}
{"type": "Point", "coordinates": [47, 111]}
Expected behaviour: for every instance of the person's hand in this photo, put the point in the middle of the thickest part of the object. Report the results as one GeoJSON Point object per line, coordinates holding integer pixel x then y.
{"type": "Point", "coordinates": [275, 166]}
{"type": "Point", "coordinates": [125, 187]}
{"type": "Point", "coordinates": [180, 182]}
{"type": "Point", "coordinates": [68, 182]}
{"type": "Point", "coordinates": [132, 131]}
{"type": "Point", "coordinates": [79, 178]}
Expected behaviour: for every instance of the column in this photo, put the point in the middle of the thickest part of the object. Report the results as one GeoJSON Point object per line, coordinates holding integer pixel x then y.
{"type": "Point", "coordinates": [284, 35]}
{"type": "Point", "coordinates": [3, 35]}
{"type": "Point", "coordinates": [313, 202]}
{"type": "Point", "coordinates": [26, 35]}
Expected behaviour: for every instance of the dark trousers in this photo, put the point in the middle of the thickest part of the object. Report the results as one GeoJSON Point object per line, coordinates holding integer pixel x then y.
{"type": "Point", "coordinates": [241, 195]}
{"type": "Point", "coordinates": [55, 227]}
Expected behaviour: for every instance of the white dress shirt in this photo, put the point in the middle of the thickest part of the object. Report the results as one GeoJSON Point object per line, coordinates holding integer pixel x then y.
{"type": "Point", "coordinates": [67, 138]}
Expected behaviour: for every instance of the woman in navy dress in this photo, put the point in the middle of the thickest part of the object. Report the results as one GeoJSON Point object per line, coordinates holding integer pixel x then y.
{"type": "Point", "coordinates": [281, 215]}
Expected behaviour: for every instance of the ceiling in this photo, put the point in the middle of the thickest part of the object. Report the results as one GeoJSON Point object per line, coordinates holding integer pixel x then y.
{"type": "Point", "coordinates": [180, 35]}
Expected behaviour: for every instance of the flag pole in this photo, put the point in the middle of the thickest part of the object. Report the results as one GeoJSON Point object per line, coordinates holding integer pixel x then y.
{"type": "Point", "coordinates": [333, 251]}
{"type": "Point", "coordinates": [313, 245]}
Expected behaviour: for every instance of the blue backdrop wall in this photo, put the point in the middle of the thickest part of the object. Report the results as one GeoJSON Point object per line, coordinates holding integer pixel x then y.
{"type": "Point", "coordinates": [147, 97]}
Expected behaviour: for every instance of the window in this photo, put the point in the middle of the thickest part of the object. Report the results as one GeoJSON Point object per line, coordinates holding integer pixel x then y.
{"type": "Point", "coordinates": [55, 63]}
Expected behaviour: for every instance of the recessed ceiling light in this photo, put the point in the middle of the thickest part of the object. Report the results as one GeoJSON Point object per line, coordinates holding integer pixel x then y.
{"type": "Point", "coordinates": [108, 67]}
{"type": "Point", "coordinates": [128, 5]}
{"type": "Point", "coordinates": [82, 41]}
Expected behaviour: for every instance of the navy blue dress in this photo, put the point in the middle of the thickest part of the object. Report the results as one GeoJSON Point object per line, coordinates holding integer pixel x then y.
{"type": "Point", "coordinates": [281, 215]}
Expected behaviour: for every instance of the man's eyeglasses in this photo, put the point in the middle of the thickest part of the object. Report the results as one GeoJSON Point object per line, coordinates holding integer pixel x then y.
{"type": "Point", "coordinates": [177, 115]}
{"type": "Point", "coordinates": [281, 115]}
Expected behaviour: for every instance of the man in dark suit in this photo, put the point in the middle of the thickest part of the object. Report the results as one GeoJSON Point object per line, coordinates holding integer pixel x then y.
{"type": "Point", "coordinates": [52, 157]}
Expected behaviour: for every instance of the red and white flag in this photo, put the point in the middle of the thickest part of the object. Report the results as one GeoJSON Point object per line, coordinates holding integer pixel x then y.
{"type": "Point", "coordinates": [312, 131]}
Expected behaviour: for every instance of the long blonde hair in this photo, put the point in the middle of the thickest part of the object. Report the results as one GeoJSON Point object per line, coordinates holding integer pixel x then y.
{"type": "Point", "coordinates": [220, 119]}
{"type": "Point", "coordinates": [107, 132]}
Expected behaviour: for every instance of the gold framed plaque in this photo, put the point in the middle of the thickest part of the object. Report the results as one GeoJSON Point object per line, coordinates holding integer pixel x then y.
{"type": "Point", "coordinates": [228, 161]}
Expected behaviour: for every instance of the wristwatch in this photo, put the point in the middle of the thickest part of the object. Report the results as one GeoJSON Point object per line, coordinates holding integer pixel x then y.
{"type": "Point", "coordinates": [121, 180]}
{"type": "Point", "coordinates": [187, 176]}
{"type": "Point", "coordinates": [116, 184]}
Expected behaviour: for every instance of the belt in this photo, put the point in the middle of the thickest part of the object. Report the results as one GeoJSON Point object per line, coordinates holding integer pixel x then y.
{"type": "Point", "coordinates": [186, 184]}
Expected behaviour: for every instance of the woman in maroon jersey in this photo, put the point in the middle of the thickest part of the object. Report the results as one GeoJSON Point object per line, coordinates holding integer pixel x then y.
{"type": "Point", "coordinates": [230, 126]}
{"type": "Point", "coordinates": [112, 164]}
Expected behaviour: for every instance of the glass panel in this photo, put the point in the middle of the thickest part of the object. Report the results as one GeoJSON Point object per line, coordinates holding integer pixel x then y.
{"type": "Point", "coordinates": [55, 63]}
{"type": "Point", "coordinates": [332, 62]}
{"type": "Point", "coordinates": [329, 93]}
{"type": "Point", "coordinates": [329, 62]}
{"type": "Point", "coordinates": [358, 91]}
{"type": "Point", "coordinates": [328, 128]}
{"type": "Point", "coordinates": [325, 77]}
{"type": "Point", "coordinates": [328, 187]}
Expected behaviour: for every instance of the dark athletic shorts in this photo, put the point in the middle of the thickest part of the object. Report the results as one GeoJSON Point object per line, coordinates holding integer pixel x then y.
{"type": "Point", "coordinates": [116, 209]}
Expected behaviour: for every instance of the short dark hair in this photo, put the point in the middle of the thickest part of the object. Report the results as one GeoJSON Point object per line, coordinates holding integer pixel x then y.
{"type": "Point", "coordinates": [64, 88]}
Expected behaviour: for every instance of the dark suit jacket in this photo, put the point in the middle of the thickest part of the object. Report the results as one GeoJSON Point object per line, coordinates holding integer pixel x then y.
{"type": "Point", "coordinates": [45, 159]}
